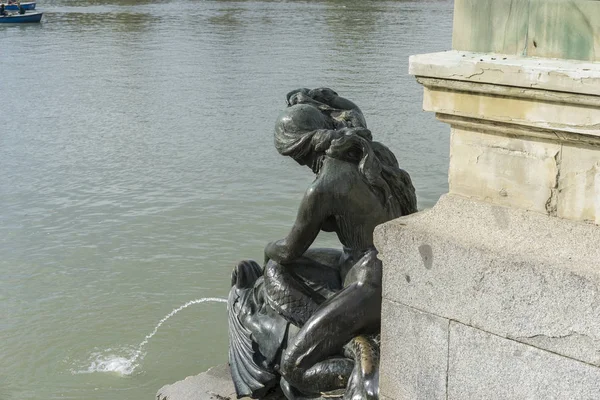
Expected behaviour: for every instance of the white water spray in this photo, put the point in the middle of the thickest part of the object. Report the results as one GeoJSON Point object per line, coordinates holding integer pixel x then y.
{"type": "Point", "coordinates": [124, 365]}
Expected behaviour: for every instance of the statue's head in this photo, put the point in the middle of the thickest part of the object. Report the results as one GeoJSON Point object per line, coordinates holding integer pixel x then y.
{"type": "Point", "coordinates": [305, 134]}
{"type": "Point", "coordinates": [309, 134]}
{"type": "Point", "coordinates": [304, 95]}
{"type": "Point", "coordinates": [323, 94]}
{"type": "Point", "coordinates": [305, 129]}
{"type": "Point", "coordinates": [301, 133]}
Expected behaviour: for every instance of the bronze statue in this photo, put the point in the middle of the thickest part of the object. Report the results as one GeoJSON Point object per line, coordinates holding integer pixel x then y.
{"type": "Point", "coordinates": [303, 319]}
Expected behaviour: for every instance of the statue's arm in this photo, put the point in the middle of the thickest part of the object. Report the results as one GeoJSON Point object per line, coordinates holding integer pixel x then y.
{"type": "Point", "coordinates": [312, 212]}
{"type": "Point", "coordinates": [323, 98]}
{"type": "Point", "coordinates": [332, 99]}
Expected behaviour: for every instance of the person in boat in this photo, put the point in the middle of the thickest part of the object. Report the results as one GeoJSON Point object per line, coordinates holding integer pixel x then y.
{"type": "Point", "coordinates": [2, 10]}
{"type": "Point", "coordinates": [21, 8]}
{"type": "Point", "coordinates": [326, 296]}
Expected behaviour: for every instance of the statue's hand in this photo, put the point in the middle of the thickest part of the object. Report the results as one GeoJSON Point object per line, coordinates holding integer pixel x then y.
{"type": "Point", "coordinates": [324, 95]}
{"type": "Point", "coordinates": [292, 97]}
{"type": "Point", "coordinates": [360, 131]}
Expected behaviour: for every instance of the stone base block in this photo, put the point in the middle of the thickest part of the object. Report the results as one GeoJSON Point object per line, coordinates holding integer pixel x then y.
{"type": "Point", "coordinates": [482, 365]}
{"type": "Point", "coordinates": [505, 282]}
{"type": "Point", "coordinates": [427, 357]}
{"type": "Point", "coordinates": [413, 338]}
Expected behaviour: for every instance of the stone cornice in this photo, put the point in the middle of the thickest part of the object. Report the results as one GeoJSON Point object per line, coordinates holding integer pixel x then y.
{"type": "Point", "coordinates": [560, 75]}
{"type": "Point", "coordinates": [525, 131]}
{"type": "Point", "coordinates": [557, 100]}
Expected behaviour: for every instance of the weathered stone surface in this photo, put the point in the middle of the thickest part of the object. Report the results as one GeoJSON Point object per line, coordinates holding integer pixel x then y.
{"type": "Point", "coordinates": [214, 384]}
{"type": "Point", "coordinates": [414, 353]}
{"type": "Point", "coordinates": [502, 170]}
{"type": "Point", "coordinates": [540, 28]}
{"type": "Point", "coordinates": [513, 273]}
{"type": "Point", "coordinates": [579, 184]}
{"type": "Point", "coordinates": [569, 76]}
{"type": "Point", "coordinates": [527, 112]}
{"type": "Point", "coordinates": [525, 133]}
{"type": "Point", "coordinates": [485, 366]}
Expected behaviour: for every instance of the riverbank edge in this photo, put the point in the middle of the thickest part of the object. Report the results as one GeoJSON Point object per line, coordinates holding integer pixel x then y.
{"type": "Point", "coordinates": [213, 384]}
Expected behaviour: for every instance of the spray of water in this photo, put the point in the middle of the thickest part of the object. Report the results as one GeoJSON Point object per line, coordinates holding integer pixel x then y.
{"type": "Point", "coordinates": [126, 365]}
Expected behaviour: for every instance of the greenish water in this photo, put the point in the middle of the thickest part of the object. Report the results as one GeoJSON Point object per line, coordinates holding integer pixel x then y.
{"type": "Point", "coordinates": [137, 167]}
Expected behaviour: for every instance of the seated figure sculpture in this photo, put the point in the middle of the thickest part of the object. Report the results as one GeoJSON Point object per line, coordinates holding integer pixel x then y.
{"type": "Point", "coordinates": [308, 319]}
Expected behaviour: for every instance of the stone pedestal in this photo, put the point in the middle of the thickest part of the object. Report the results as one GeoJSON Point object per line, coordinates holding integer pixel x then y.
{"type": "Point", "coordinates": [485, 301]}
{"type": "Point", "coordinates": [495, 292]}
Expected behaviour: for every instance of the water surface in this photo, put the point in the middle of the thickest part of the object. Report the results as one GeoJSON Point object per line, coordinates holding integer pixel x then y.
{"type": "Point", "coordinates": [137, 167]}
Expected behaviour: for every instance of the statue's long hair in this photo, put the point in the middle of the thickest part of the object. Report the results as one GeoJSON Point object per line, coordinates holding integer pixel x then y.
{"type": "Point", "coordinates": [375, 162]}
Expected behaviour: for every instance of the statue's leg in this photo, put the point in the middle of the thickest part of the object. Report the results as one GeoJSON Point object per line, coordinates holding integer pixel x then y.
{"type": "Point", "coordinates": [292, 393]}
{"type": "Point", "coordinates": [306, 364]}
{"type": "Point", "coordinates": [319, 269]}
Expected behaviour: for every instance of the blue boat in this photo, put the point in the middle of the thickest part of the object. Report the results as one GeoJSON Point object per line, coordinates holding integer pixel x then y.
{"type": "Point", "coordinates": [28, 6]}
{"type": "Point", "coordinates": [21, 18]}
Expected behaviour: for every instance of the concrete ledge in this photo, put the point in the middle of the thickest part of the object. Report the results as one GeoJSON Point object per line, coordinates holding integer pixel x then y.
{"type": "Point", "coordinates": [569, 76]}
{"type": "Point", "coordinates": [513, 273]}
{"type": "Point", "coordinates": [214, 384]}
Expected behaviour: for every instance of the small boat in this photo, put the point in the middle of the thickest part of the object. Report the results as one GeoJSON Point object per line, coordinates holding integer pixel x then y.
{"type": "Point", "coordinates": [21, 18]}
{"type": "Point", "coordinates": [28, 6]}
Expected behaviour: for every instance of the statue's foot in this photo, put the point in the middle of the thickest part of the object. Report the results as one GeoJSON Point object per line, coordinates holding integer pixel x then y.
{"type": "Point", "coordinates": [245, 274]}
{"type": "Point", "coordinates": [364, 381]}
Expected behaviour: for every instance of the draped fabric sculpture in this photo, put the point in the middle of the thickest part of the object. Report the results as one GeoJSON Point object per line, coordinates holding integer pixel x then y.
{"type": "Point", "coordinates": [308, 319]}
